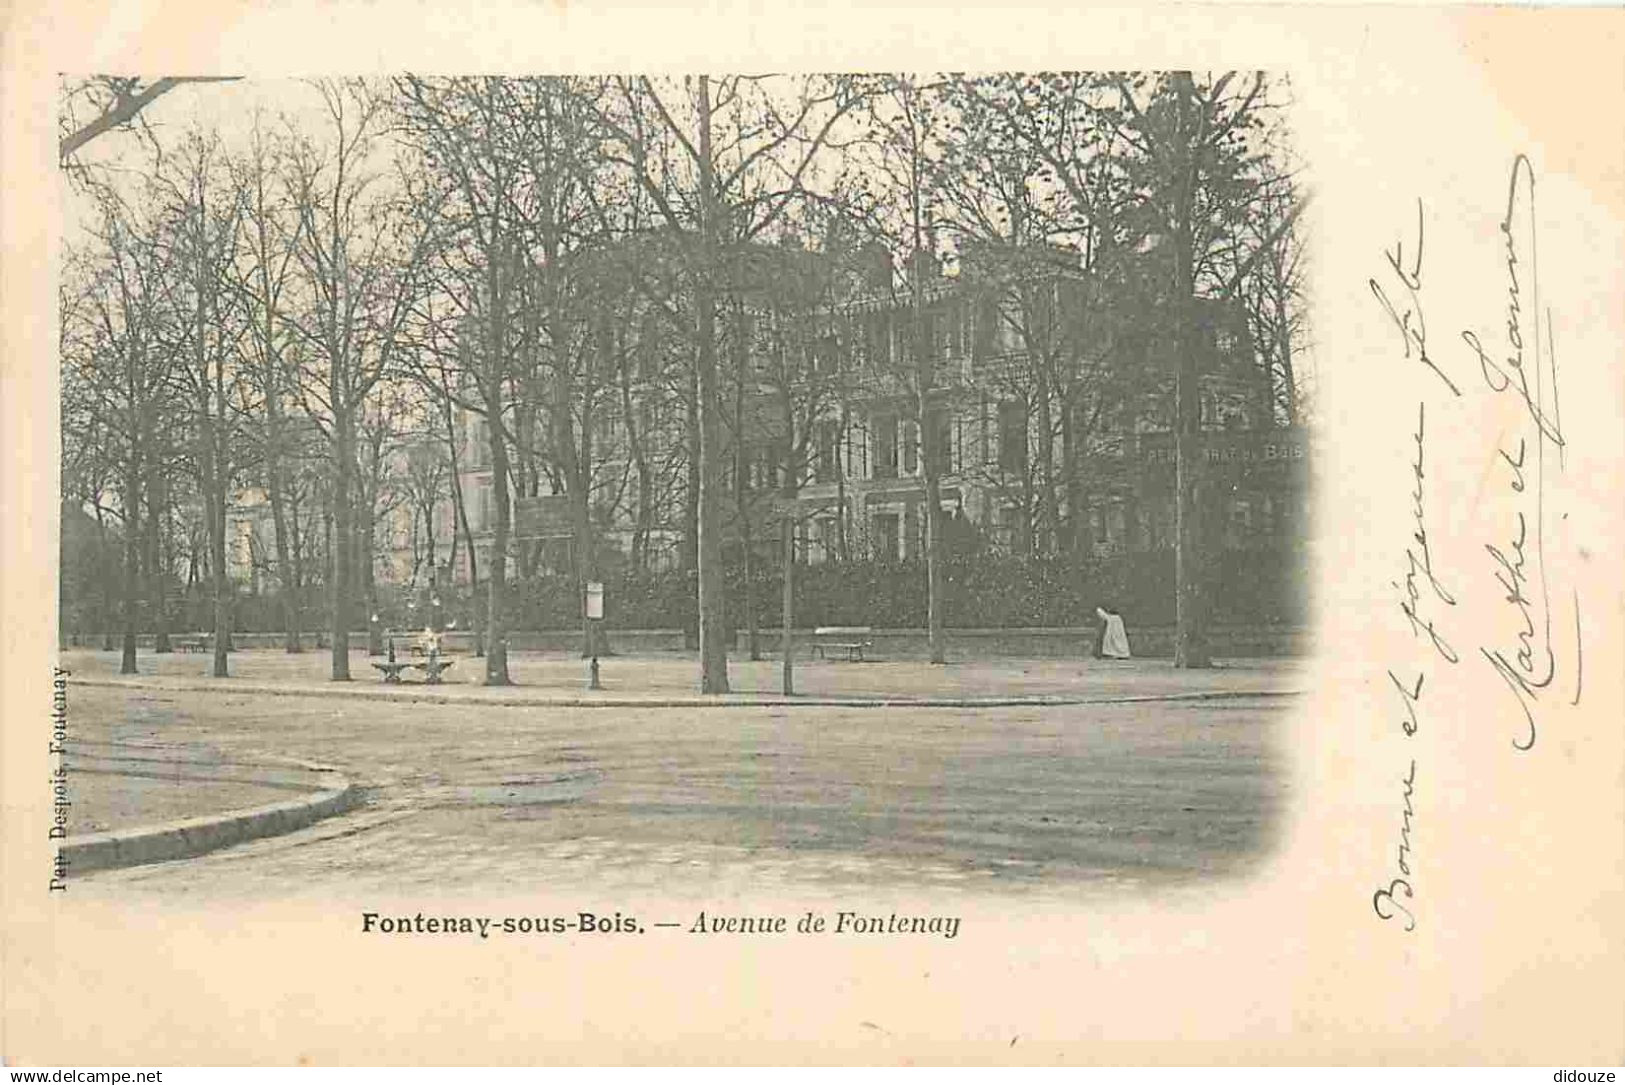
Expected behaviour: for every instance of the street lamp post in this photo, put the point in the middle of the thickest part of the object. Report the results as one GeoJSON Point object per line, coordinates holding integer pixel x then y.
{"type": "Point", "coordinates": [595, 615]}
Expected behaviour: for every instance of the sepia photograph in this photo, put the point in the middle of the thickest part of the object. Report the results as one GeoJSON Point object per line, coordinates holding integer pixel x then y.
{"type": "Point", "coordinates": [697, 536]}
{"type": "Point", "coordinates": [894, 480]}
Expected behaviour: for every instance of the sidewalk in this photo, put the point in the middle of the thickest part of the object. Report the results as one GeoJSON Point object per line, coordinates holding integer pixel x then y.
{"type": "Point", "coordinates": [144, 800]}
{"type": "Point", "coordinates": [120, 784]}
{"type": "Point", "coordinates": [672, 680]}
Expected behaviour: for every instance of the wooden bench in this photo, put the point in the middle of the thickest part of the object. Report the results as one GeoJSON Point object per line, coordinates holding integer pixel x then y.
{"type": "Point", "coordinates": [851, 639]}
{"type": "Point", "coordinates": [189, 644]}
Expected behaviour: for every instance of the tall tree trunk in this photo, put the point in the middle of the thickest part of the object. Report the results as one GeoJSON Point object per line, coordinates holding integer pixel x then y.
{"type": "Point", "coordinates": [297, 543]}
{"type": "Point", "coordinates": [369, 581]}
{"type": "Point", "coordinates": [840, 484]}
{"type": "Point", "coordinates": [222, 584]}
{"type": "Point", "coordinates": [787, 643]}
{"type": "Point", "coordinates": [527, 552]}
{"type": "Point", "coordinates": [712, 605]}
{"type": "Point", "coordinates": [585, 568]}
{"type": "Point", "coordinates": [690, 555]}
{"type": "Point", "coordinates": [156, 588]}
{"type": "Point", "coordinates": [329, 567]}
{"type": "Point", "coordinates": [741, 496]}
{"type": "Point", "coordinates": [492, 390]}
{"type": "Point", "coordinates": [343, 545]}
{"type": "Point", "coordinates": [271, 378]}
{"type": "Point", "coordinates": [459, 500]}
{"type": "Point", "coordinates": [1073, 534]}
{"type": "Point", "coordinates": [640, 460]}
{"type": "Point", "coordinates": [212, 479]}
{"type": "Point", "coordinates": [1288, 379]}
{"type": "Point", "coordinates": [214, 512]}
{"type": "Point", "coordinates": [433, 556]}
{"type": "Point", "coordinates": [788, 493]}
{"type": "Point", "coordinates": [132, 558]}
{"type": "Point", "coordinates": [110, 585]}
{"type": "Point", "coordinates": [925, 377]}
{"type": "Point", "coordinates": [747, 589]}
{"type": "Point", "coordinates": [1190, 636]}
{"type": "Point", "coordinates": [935, 604]}
{"type": "Point", "coordinates": [287, 576]}
{"type": "Point", "coordinates": [459, 508]}
{"type": "Point", "coordinates": [1048, 515]}
{"type": "Point", "coordinates": [496, 645]}
{"type": "Point", "coordinates": [586, 563]}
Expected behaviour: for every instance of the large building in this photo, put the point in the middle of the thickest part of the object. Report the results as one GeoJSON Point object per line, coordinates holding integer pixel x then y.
{"type": "Point", "coordinates": [1014, 469]}
{"type": "Point", "coordinates": [1052, 413]}
{"type": "Point", "coordinates": [1050, 397]}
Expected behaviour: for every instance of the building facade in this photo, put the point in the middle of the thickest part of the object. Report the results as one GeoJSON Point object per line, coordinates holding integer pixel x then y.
{"type": "Point", "coordinates": [1049, 398]}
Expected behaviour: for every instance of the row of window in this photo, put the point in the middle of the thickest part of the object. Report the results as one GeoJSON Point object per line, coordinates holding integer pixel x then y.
{"type": "Point", "coordinates": [887, 445]}
{"type": "Point", "coordinates": [1250, 520]}
{"type": "Point", "coordinates": [961, 326]}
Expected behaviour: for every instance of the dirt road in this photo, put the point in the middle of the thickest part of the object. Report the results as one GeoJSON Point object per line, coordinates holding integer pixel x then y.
{"type": "Point", "coordinates": [701, 802]}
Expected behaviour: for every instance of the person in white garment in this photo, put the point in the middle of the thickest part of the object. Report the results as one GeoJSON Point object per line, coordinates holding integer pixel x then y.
{"type": "Point", "coordinates": [1113, 640]}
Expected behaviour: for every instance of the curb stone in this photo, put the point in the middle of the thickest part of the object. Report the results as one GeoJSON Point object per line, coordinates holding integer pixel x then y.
{"type": "Point", "coordinates": [772, 700]}
{"type": "Point", "coordinates": [194, 836]}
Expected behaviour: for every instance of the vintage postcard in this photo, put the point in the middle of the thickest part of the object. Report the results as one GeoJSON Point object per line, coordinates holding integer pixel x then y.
{"type": "Point", "coordinates": [567, 534]}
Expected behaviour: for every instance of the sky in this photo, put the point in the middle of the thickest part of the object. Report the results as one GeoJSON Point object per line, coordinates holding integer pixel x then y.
{"type": "Point", "coordinates": [122, 157]}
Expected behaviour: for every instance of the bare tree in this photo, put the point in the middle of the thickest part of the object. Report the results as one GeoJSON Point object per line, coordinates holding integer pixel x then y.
{"type": "Point", "coordinates": [424, 487]}
{"type": "Point", "coordinates": [907, 128]}
{"type": "Point", "coordinates": [360, 256]}
{"type": "Point", "coordinates": [118, 373]}
{"type": "Point", "coordinates": [99, 104]}
{"type": "Point", "coordinates": [1273, 296]}
{"type": "Point", "coordinates": [801, 375]}
{"type": "Point", "coordinates": [722, 162]}
{"type": "Point", "coordinates": [1194, 158]}
{"type": "Point", "coordinates": [202, 232]}
{"type": "Point", "coordinates": [263, 279]}
{"type": "Point", "coordinates": [1036, 198]}
{"type": "Point", "coordinates": [90, 469]}
{"type": "Point", "coordinates": [384, 416]}
{"type": "Point", "coordinates": [513, 158]}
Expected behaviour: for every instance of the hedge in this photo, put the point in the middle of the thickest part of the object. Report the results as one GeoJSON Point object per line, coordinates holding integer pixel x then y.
{"type": "Point", "coordinates": [1247, 585]}
{"type": "Point", "coordinates": [1252, 586]}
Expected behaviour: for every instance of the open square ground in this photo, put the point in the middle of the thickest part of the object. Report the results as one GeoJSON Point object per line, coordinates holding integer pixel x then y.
{"type": "Point", "coordinates": [1138, 788]}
